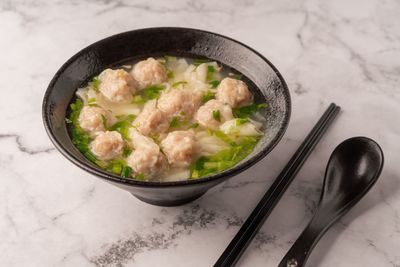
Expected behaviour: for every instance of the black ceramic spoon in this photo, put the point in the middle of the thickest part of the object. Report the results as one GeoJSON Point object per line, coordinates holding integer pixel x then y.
{"type": "Point", "coordinates": [352, 170]}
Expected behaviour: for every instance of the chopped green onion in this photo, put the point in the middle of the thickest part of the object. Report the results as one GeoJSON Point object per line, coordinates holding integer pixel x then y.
{"type": "Point", "coordinates": [126, 171]}
{"type": "Point", "coordinates": [140, 176]}
{"type": "Point", "coordinates": [123, 126]}
{"type": "Point", "coordinates": [216, 115]}
{"type": "Point", "coordinates": [89, 155]}
{"type": "Point", "coordinates": [240, 121]}
{"type": "Point", "coordinates": [117, 168]}
{"type": "Point", "coordinates": [91, 100]}
{"type": "Point", "coordinates": [137, 99]}
{"type": "Point", "coordinates": [162, 60]}
{"type": "Point", "coordinates": [210, 72]}
{"type": "Point", "coordinates": [104, 121]}
{"type": "Point", "coordinates": [176, 84]}
{"type": "Point", "coordinates": [95, 83]}
{"type": "Point", "coordinates": [194, 125]}
{"type": "Point", "coordinates": [214, 84]}
{"type": "Point", "coordinates": [170, 74]}
{"type": "Point", "coordinates": [126, 152]}
{"type": "Point", "coordinates": [247, 111]}
{"type": "Point", "coordinates": [152, 92]}
{"type": "Point", "coordinates": [208, 96]}
{"type": "Point", "coordinates": [175, 122]}
{"type": "Point", "coordinates": [68, 120]}
{"type": "Point", "coordinates": [170, 58]}
{"type": "Point", "coordinates": [155, 137]}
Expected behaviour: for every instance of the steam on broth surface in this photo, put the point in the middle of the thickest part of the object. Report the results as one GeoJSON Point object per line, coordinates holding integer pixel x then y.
{"type": "Point", "coordinates": [166, 119]}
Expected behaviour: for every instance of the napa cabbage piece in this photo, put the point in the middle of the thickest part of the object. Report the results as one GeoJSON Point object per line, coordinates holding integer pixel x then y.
{"type": "Point", "coordinates": [208, 144]}
{"type": "Point", "coordinates": [241, 127]}
{"type": "Point", "coordinates": [224, 159]}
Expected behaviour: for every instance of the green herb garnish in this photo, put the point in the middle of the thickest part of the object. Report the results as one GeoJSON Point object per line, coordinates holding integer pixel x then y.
{"type": "Point", "coordinates": [104, 121]}
{"type": "Point", "coordinates": [175, 122]}
{"type": "Point", "coordinates": [152, 92]}
{"type": "Point", "coordinates": [138, 99]}
{"type": "Point", "coordinates": [247, 111]}
{"type": "Point", "coordinates": [140, 176]}
{"type": "Point", "coordinates": [162, 60]}
{"type": "Point", "coordinates": [123, 126]}
{"type": "Point", "coordinates": [176, 84]}
{"type": "Point", "coordinates": [170, 74]}
{"type": "Point", "coordinates": [210, 72]}
{"type": "Point", "coordinates": [214, 84]}
{"type": "Point", "coordinates": [193, 126]}
{"type": "Point", "coordinates": [126, 171]}
{"type": "Point", "coordinates": [208, 96]}
{"type": "Point", "coordinates": [216, 115]}
{"type": "Point", "coordinates": [240, 121]}
{"type": "Point", "coordinates": [95, 83]}
{"type": "Point", "coordinates": [119, 167]}
{"type": "Point", "coordinates": [126, 152]}
{"type": "Point", "coordinates": [170, 58]}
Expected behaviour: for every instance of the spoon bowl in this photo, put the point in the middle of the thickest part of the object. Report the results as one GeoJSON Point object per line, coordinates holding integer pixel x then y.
{"type": "Point", "coordinates": [353, 168]}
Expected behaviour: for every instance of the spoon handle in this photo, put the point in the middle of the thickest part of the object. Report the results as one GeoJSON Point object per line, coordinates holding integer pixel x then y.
{"type": "Point", "coordinates": [301, 249]}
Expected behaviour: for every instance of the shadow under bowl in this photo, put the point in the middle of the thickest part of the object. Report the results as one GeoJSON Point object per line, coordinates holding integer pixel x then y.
{"type": "Point", "coordinates": [265, 81]}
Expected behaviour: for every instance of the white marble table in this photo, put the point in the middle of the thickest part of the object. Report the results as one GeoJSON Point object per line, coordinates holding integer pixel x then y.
{"type": "Point", "coordinates": [54, 214]}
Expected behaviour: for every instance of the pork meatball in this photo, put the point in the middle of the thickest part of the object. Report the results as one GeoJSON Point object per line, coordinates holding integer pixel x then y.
{"type": "Point", "coordinates": [233, 92]}
{"type": "Point", "coordinates": [179, 102]}
{"type": "Point", "coordinates": [93, 119]}
{"type": "Point", "coordinates": [149, 72]}
{"type": "Point", "coordinates": [179, 147]}
{"type": "Point", "coordinates": [151, 119]}
{"type": "Point", "coordinates": [147, 157]}
{"type": "Point", "coordinates": [147, 162]}
{"type": "Point", "coordinates": [107, 145]}
{"type": "Point", "coordinates": [213, 113]}
{"type": "Point", "coordinates": [117, 85]}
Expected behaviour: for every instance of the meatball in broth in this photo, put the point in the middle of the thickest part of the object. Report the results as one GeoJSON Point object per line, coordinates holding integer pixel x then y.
{"type": "Point", "coordinates": [179, 146]}
{"type": "Point", "coordinates": [166, 119]}
{"type": "Point", "coordinates": [233, 92]}
{"type": "Point", "coordinates": [117, 85]}
{"type": "Point", "coordinates": [149, 72]}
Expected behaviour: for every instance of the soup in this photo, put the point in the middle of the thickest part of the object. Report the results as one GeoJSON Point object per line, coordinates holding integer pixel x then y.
{"type": "Point", "coordinates": [166, 119]}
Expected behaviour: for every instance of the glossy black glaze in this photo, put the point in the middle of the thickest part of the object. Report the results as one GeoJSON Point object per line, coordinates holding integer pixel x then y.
{"type": "Point", "coordinates": [353, 168]}
{"type": "Point", "coordinates": [139, 44]}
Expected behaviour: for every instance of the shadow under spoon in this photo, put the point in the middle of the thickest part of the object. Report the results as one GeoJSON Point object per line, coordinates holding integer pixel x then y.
{"type": "Point", "coordinates": [352, 170]}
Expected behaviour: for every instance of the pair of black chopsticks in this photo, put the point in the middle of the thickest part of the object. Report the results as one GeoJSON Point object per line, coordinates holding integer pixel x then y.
{"type": "Point", "coordinates": [256, 219]}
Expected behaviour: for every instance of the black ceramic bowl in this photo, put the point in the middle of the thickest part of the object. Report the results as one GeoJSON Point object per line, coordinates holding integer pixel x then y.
{"type": "Point", "coordinates": [267, 85]}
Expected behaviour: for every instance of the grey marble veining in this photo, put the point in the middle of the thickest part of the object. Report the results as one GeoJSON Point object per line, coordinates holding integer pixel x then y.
{"type": "Point", "coordinates": [54, 214]}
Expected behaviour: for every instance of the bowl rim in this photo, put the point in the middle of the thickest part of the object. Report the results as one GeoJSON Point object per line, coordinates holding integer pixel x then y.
{"type": "Point", "coordinates": [132, 182]}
